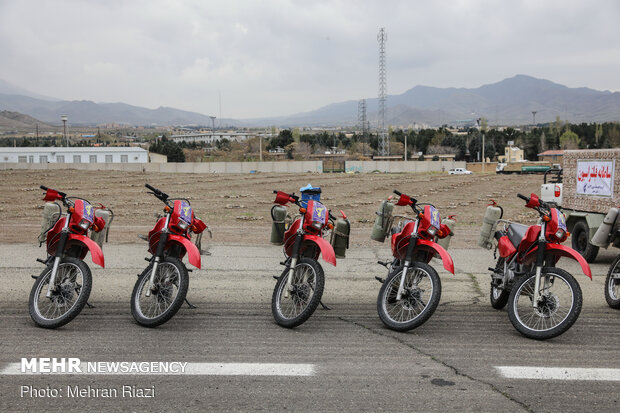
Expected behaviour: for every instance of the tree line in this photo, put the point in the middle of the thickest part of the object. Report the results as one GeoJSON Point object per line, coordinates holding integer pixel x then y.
{"type": "Point", "coordinates": [467, 143]}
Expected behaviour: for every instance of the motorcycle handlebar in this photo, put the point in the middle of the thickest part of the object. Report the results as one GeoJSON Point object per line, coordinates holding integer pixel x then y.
{"type": "Point", "coordinates": [62, 194]}
{"type": "Point", "coordinates": [397, 192]}
{"type": "Point", "coordinates": [292, 197]}
{"type": "Point", "coordinates": [541, 203]}
{"type": "Point", "coordinates": [159, 194]}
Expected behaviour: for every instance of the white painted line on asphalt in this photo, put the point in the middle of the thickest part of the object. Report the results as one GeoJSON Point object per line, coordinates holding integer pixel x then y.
{"type": "Point", "coordinates": [189, 369]}
{"type": "Point", "coordinates": [559, 373]}
{"type": "Point", "coordinates": [249, 369]}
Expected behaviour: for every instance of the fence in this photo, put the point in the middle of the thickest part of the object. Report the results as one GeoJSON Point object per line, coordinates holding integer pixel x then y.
{"type": "Point", "coordinates": [401, 166]}
{"type": "Point", "coordinates": [247, 167]}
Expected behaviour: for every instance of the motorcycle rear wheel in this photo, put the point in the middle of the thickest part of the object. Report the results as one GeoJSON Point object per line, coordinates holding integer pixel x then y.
{"type": "Point", "coordinates": [167, 295]}
{"type": "Point", "coordinates": [307, 289]}
{"type": "Point", "coordinates": [421, 295]}
{"type": "Point", "coordinates": [612, 284]}
{"type": "Point", "coordinates": [499, 296]}
{"type": "Point", "coordinates": [73, 285]}
{"type": "Point", "coordinates": [558, 308]}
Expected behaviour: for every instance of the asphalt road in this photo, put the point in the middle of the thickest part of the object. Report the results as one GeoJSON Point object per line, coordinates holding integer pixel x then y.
{"type": "Point", "coordinates": [448, 364]}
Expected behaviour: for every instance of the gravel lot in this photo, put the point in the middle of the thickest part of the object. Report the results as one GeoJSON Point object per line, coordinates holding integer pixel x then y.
{"type": "Point", "coordinates": [233, 203]}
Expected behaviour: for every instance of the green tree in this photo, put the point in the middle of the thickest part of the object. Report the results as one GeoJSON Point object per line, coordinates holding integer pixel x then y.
{"type": "Point", "coordinates": [569, 140]}
{"type": "Point", "coordinates": [613, 137]}
{"type": "Point", "coordinates": [171, 149]}
{"type": "Point", "coordinates": [284, 138]}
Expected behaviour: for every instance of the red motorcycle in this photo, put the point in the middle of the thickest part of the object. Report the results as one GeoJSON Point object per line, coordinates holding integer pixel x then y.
{"type": "Point", "coordinates": [543, 301]}
{"type": "Point", "coordinates": [61, 291]}
{"type": "Point", "coordinates": [162, 287]}
{"type": "Point", "coordinates": [299, 288]}
{"type": "Point", "coordinates": [411, 292]}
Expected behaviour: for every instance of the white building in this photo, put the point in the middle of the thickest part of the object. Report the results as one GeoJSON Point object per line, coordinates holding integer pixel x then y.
{"type": "Point", "coordinates": [212, 137]}
{"type": "Point", "coordinates": [54, 154]}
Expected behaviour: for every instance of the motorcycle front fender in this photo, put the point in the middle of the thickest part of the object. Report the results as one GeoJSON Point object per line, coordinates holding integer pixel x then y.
{"type": "Point", "coordinates": [326, 248]}
{"type": "Point", "coordinates": [95, 251]}
{"type": "Point", "coordinates": [561, 251]}
{"type": "Point", "coordinates": [193, 255]}
{"type": "Point", "coordinates": [448, 264]}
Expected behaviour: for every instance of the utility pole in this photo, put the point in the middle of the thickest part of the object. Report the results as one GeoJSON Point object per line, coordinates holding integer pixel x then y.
{"type": "Point", "coordinates": [361, 117]}
{"type": "Point", "coordinates": [406, 147]}
{"type": "Point", "coordinates": [480, 124]}
{"type": "Point", "coordinates": [384, 142]}
{"type": "Point", "coordinates": [483, 158]}
{"type": "Point", "coordinates": [260, 147]}
{"type": "Point", "coordinates": [64, 129]}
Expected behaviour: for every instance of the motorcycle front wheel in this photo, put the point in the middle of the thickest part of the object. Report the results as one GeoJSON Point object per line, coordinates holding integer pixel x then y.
{"type": "Point", "coordinates": [73, 283]}
{"type": "Point", "coordinates": [612, 284]}
{"type": "Point", "coordinates": [558, 307]}
{"type": "Point", "coordinates": [419, 300]}
{"type": "Point", "coordinates": [167, 293]}
{"type": "Point", "coordinates": [303, 297]}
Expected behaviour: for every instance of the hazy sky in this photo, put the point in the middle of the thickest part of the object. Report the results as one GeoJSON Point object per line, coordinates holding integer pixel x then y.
{"type": "Point", "coordinates": [278, 57]}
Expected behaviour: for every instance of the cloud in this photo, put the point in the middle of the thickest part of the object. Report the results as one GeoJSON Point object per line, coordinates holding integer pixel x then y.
{"type": "Point", "coordinates": [277, 57]}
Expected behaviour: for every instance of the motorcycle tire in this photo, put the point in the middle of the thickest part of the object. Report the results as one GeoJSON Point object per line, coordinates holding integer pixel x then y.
{"type": "Point", "coordinates": [549, 319]}
{"type": "Point", "coordinates": [167, 294]}
{"type": "Point", "coordinates": [67, 301]}
{"type": "Point", "coordinates": [417, 310]}
{"type": "Point", "coordinates": [307, 289]}
{"type": "Point", "coordinates": [612, 284]}
{"type": "Point", "coordinates": [499, 296]}
{"type": "Point", "coordinates": [580, 241]}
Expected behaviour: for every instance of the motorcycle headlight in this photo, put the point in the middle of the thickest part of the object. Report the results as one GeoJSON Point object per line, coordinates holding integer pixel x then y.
{"type": "Point", "coordinates": [84, 224]}
{"type": "Point", "coordinates": [317, 225]}
{"type": "Point", "coordinates": [432, 230]}
{"type": "Point", "coordinates": [560, 233]}
{"type": "Point", "coordinates": [183, 224]}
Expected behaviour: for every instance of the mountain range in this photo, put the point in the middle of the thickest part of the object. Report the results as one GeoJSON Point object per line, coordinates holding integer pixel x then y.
{"type": "Point", "coordinates": [508, 102]}
{"type": "Point", "coordinates": [18, 121]}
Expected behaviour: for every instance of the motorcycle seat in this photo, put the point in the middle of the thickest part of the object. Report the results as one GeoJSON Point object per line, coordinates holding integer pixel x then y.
{"type": "Point", "coordinates": [516, 232]}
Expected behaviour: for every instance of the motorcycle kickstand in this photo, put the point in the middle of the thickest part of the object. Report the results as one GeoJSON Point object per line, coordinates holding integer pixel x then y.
{"type": "Point", "coordinates": [89, 305]}
{"type": "Point", "coordinates": [190, 305]}
{"type": "Point", "coordinates": [324, 306]}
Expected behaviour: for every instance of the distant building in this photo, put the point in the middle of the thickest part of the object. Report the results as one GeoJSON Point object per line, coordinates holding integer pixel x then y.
{"type": "Point", "coordinates": [513, 154]}
{"type": "Point", "coordinates": [55, 154]}
{"type": "Point", "coordinates": [442, 157]}
{"type": "Point", "coordinates": [553, 156]}
{"type": "Point", "coordinates": [212, 137]}
{"type": "Point", "coordinates": [157, 158]}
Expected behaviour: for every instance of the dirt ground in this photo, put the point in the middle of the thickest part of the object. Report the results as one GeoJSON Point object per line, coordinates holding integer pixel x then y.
{"type": "Point", "coordinates": [237, 207]}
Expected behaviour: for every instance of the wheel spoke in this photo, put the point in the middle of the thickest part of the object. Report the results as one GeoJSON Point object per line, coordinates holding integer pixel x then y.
{"type": "Point", "coordinates": [553, 307]}
{"type": "Point", "coordinates": [303, 289]}
{"type": "Point", "coordinates": [164, 292]}
{"type": "Point", "coordinates": [68, 286]}
{"type": "Point", "coordinates": [416, 297]}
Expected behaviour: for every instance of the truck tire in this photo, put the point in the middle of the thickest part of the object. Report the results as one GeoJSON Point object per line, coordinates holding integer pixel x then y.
{"type": "Point", "coordinates": [580, 241]}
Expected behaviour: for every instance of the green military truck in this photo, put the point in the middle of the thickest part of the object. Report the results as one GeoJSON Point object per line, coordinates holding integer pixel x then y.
{"type": "Point", "coordinates": [586, 188]}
